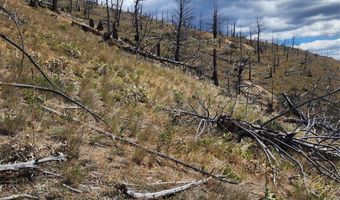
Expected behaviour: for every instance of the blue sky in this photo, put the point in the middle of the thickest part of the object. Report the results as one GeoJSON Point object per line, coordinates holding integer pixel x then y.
{"type": "Point", "coordinates": [314, 23]}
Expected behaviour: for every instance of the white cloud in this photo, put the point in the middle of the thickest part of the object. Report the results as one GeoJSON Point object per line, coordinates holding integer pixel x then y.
{"type": "Point", "coordinates": [323, 47]}
{"type": "Point", "coordinates": [319, 28]}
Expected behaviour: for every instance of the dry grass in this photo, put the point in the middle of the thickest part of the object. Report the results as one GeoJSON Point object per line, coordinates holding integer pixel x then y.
{"type": "Point", "coordinates": [127, 90]}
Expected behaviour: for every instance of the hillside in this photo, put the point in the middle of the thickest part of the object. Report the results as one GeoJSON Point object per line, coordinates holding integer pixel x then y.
{"type": "Point", "coordinates": [138, 98]}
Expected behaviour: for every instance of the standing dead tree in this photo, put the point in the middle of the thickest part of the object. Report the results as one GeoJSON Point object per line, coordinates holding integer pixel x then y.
{"type": "Point", "coordinates": [71, 6]}
{"type": "Point", "coordinates": [55, 5]}
{"type": "Point", "coordinates": [183, 15]}
{"type": "Point", "coordinates": [216, 20]}
{"type": "Point", "coordinates": [136, 22]}
{"type": "Point", "coordinates": [108, 16]}
{"type": "Point", "coordinates": [259, 30]}
{"type": "Point", "coordinates": [118, 11]}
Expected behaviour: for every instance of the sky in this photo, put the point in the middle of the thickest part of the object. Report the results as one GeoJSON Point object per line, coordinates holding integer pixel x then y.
{"type": "Point", "coordinates": [315, 24]}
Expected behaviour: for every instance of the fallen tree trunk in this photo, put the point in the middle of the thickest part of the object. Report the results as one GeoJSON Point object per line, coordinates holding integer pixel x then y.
{"type": "Point", "coordinates": [86, 28]}
{"type": "Point", "coordinates": [153, 195]}
{"type": "Point", "coordinates": [32, 164]}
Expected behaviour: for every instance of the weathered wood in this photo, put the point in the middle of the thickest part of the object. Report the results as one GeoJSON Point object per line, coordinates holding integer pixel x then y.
{"type": "Point", "coordinates": [32, 164]}
{"type": "Point", "coordinates": [72, 189]}
{"type": "Point", "coordinates": [294, 110]}
{"type": "Point", "coordinates": [19, 196]}
{"type": "Point", "coordinates": [153, 195]}
{"type": "Point", "coordinates": [86, 28]}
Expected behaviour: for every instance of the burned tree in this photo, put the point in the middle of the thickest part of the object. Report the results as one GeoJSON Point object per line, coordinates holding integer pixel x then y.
{"type": "Point", "coordinates": [100, 26]}
{"type": "Point", "coordinates": [136, 22]}
{"type": "Point", "coordinates": [118, 11]}
{"type": "Point", "coordinates": [115, 31]}
{"type": "Point", "coordinates": [55, 5]}
{"type": "Point", "coordinates": [91, 23]}
{"type": "Point", "coordinates": [33, 3]}
{"type": "Point", "coordinates": [234, 29]}
{"type": "Point", "coordinates": [260, 28]}
{"type": "Point", "coordinates": [183, 13]}
{"type": "Point", "coordinates": [108, 16]}
{"type": "Point", "coordinates": [216, 20]}
{"type": "Point", "coordinates": [87, 8]}
{"type": "Point", "coordinates": [71, 6]}
{"type": "Point", "coordinates": [250, 34]}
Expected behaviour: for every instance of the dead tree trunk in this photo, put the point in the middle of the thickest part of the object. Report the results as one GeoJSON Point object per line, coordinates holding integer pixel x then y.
{"type": "Point", "coordinates": [108, 16]}
{"type": "Point", "coordinates": [260, 29]}
{"type": "Point", "coordinates": [55, 5]}
{"type": "Point", "coordinates": [214, 77]}
{"type": "Point", "coordinates": [249, 68]}
{"type": "Point", "coordinates": [215, 31]}
{"type": "Point", "coordinates": [136, 23]}
{"type": "Point", "coordinates": [183, 12]}
{"type": "Point", "coordinates": [71, 6]}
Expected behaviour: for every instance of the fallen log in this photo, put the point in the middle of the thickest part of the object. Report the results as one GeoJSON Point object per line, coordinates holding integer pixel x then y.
{"type": "Point", "coordinates": [32, 164]}
{"type": "Point", "coordinates": [164, 193]}
{"type": "Point", "coordinates": [86, 28]}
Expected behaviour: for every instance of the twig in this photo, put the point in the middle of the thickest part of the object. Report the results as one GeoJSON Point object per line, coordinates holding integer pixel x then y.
{"type": "Point", "coordinates": [72, 189]}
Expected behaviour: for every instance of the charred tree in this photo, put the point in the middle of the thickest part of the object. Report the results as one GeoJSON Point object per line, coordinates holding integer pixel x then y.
{"type": "Point", "coordinates": [215, 28]}
{"type": "Point", "coordinates": [100, 26]}
{"type": "Point", "coordinates": [260, 29]}
{"type": "Point", "coordinates": [108, 16]}
{"type": "Point", "coordinates": [71, 6]}
{"type": "Point", "coordinates": [136, 23]}
{"type": "Point", "coordinates": [91, 23]}
{"type": "Point", "coordinates": [55, 5]}
{"type": "Point", "coordinates": [118, 12]}
{"type": "Point", "coordinates": [183, 14]}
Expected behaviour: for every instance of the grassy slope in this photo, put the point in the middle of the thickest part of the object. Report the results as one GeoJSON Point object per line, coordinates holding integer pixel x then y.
{"type": "Point", "coordinates": [317, 66]}
{"type": "Point", "coordinates": [120, 87]}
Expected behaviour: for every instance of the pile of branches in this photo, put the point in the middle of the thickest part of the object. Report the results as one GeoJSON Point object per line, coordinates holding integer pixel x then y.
{"type": "Point", "coordinates": [321, 150]}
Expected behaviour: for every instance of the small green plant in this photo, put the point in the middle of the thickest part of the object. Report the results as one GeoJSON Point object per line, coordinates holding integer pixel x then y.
{"type": "Point", "coordinates": [70, 49]}
{"type": "Point", "coordinates": [268, 195]}
{"type": "Point", "coordinates": [178, 97]}
{"type": "Point", "coordinates": [229, 173]}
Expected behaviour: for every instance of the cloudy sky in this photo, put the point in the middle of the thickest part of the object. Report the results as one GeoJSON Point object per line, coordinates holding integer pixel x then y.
{"type": "Point", "coordinates": [314, 23]}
